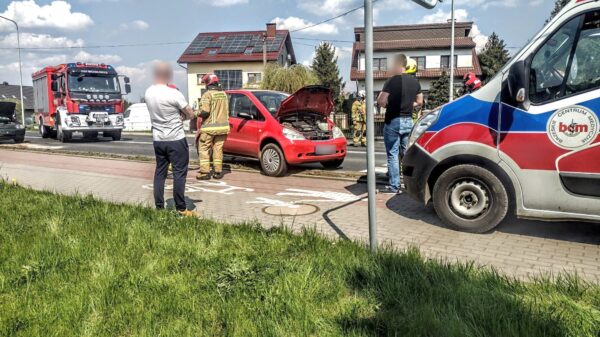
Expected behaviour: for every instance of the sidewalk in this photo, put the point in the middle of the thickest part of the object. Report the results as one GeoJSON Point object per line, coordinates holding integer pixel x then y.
{"type": "Point", "coordinates": [335, 208]}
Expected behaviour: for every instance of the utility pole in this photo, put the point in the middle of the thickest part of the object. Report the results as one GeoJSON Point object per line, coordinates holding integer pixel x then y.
{"type": "Point", "coordinates": [265, 50]}
{"type": "Point", "coordinates": [20, 68]}
{"type": "Point", "coordinates": [452, 65]}
{"type": "Point", "coordinates": [371, 183]}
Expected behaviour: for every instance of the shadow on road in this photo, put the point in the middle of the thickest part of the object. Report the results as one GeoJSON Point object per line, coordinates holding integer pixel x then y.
{"type": "Point", "coordinates": [579, 232]}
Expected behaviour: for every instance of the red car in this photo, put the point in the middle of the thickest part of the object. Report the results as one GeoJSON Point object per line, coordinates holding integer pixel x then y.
{"type": "Point", "coordinates": [281, 129]}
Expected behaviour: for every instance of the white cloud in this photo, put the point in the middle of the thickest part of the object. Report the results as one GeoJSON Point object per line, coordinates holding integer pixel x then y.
{"type": "Point", "coordinates": [328, 8]}
{"type": "Point", "coordinates": [460, 15]}
{"type": "Point", "coordinates": [222, 3]}
{"type": "Point", "coordinates": [136, 25]}
{"type": "Point", "coordinates": [485, 4]}
{"type": "Point", "coordinates": [32, 40]}
{"type": "Point", "coordinates": [57, 14]}
{"type": "Point", "coordinates": [84, 56]}
{"type": "Point", "coordinates": [293, 23]}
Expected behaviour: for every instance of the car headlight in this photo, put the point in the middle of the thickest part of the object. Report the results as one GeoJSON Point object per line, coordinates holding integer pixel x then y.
{"type": "Point", "coordinates": [337, 133]}
{"type": "Point", "coordinates": [120, 120]}
{"type": "Point", "coordinates": [19, 127]}
{"type": "Point", "coordinates": [423, 124]}
{"type": "Point", "coordinates": [292, 134]}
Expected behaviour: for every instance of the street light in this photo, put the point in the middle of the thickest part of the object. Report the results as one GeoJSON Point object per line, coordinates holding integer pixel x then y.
{"type": "Point", "coordinates": [20, 68]}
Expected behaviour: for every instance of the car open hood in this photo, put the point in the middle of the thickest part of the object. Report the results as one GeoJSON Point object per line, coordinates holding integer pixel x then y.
{"type": "Point", "coordinates": [313, 98]}
{"type": "Point", "coordinates": [7, 109]}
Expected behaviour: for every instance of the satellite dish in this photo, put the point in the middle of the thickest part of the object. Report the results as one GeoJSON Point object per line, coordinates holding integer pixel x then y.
{"type": "Point", "coordinates": [427, 3]}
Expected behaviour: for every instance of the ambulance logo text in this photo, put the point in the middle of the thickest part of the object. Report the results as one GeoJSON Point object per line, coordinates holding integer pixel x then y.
{"type": "Point", "coordinates": [573, 127]}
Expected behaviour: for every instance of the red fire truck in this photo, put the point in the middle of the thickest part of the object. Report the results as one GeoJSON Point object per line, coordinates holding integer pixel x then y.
{"type": "Point", "coordinates": [79, 98]}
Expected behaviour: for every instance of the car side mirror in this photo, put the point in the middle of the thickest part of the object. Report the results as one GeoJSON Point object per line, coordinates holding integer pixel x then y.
{"type": "Point", "coordinates": [54, 77]}
{"type": "Point", "coordinates": [517, 85]}
{"type": "Point", "coordinates": [128, 88]}
{"type": "Point", "coordinates": [126, 79]}
{"type": "Point", "coordinates": [54, 86]}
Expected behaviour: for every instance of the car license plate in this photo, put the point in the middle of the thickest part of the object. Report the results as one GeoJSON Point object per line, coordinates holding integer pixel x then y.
{"type": "Point", "coordinates": [323, 150]}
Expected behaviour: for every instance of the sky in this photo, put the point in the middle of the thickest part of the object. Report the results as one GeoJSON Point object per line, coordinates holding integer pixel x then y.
{"type": "Point", "coordinates": [85, 30]}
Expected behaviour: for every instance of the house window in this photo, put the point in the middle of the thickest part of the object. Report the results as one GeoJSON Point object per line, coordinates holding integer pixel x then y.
{"type": "Point", "coordinates": [199, 78]}
{"type": "Point", "coordinates": [421, 64]}
{"type": "Point", "coordinates": [230, 79]}
{"type": "Point", "coordinates": [445, 61]}
{"type": "Point", "coordinates": [380, 64]}
{"type": "Point", "coordinates": [254, 78]}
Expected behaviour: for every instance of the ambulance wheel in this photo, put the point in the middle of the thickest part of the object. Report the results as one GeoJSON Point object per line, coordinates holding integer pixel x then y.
{"type": "Point", "coordinates": [272, 161]}
{"type": "Point", "coordinates": [63, 136]}
{"type": "Point", "coordinates": [470, 198]}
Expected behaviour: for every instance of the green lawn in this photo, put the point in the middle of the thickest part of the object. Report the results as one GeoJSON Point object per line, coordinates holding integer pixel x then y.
{"type": "Point", "coordinates": [72, 266]}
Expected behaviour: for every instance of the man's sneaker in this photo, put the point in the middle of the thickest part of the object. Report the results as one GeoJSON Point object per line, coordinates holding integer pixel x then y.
{"type": "Point", "coordinates": [188, 214]}
{"type": "Point", "coordinates": [390, 190]}
{"type": "Point", "coordinates": [202, 176]}
{"type": "Point", "coordinates": [218, 175]}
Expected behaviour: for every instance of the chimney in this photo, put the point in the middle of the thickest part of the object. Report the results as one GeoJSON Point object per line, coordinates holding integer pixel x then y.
{"type": "Point", "coordinates": [271, 30]}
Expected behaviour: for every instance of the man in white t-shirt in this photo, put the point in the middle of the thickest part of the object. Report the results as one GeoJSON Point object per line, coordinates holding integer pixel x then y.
{"type": "Point", "coordinates": [168, 109]}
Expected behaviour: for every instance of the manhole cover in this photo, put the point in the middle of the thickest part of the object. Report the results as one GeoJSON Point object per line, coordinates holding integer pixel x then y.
{"type": "Point", "coordinates": [291, 210]}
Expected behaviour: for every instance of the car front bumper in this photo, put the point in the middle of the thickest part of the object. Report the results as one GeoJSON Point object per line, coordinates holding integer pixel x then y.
{"type": "Point", "coordinates": [308, 151]}
{"type": "Point", "coordinates": [417, 166]}
{"type": "Point", "coordinates": [11, 133]}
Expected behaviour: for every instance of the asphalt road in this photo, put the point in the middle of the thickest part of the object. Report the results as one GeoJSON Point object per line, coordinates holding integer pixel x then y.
{"type": "Point", "coordinates": [141, 145]}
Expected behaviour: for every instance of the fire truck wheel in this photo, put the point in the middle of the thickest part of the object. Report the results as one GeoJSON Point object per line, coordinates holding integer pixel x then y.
{"type": "Point", "coordinates": [470, 198]}
{"type": "Point", "coordinates": [63, 136]}
{"type": "Point", "coordinates": [116, 135]}
{"type": "Point", "coordinates": [272, 161]}
{"type": "Point", "coordinates": [44, 131]}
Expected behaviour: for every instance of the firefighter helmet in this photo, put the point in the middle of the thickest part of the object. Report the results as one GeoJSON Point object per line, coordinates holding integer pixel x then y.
{"type": "Point", "coordinates": [362, 94]}
{"type": "Point", "coordinates": [411, 66]}
{"type": "Point", "coordinates": [210, 79]}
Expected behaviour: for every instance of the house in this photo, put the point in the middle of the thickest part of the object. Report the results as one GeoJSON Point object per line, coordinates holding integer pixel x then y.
{"type": "Point", "coordinates": [428, 44]}
{"type": "Point", "coordinates": [237, 58]}
{"type": "Point", "coordinates": [11, 92]}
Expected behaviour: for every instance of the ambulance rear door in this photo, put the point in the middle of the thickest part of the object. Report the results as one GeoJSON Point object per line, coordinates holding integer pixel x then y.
{"type": "Point", "coordinates": [552, 140]}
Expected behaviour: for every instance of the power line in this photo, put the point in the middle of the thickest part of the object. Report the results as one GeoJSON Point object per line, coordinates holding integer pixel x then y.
{"type": "Point", "coordinates": [103, 46]}
{"type": "Point", "coordinates": [325, 40]}
{"type": "Point", "coordinates": [330, 19]}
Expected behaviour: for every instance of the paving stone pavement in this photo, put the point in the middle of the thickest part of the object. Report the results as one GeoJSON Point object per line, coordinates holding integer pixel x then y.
{"type": "Point", "coordinates": [519, 248]}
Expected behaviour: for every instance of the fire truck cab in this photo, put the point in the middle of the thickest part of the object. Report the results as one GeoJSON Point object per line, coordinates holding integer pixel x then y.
{"type": "Point", "coordinates": [79, 97]}
{"type": "Point", "coordinates": [528, 142]}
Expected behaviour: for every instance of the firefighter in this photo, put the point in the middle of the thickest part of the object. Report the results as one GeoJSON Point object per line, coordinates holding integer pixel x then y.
{"type": "Point", "coordinates": [214, 111]}
{"type": "Point", "coordinates": [359, 120]}
{"type": "Point", "coordinates": [411, 67]}
{"type": "Point", "coordinates": [471, 83]}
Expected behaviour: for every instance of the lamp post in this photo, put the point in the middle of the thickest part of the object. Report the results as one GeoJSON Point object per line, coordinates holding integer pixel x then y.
{"type": "Point", "coordinates": [20, 68]}
{"type": "Point", "coordinates": [371, 183]}
{"type": "Point", "coordinates": [451, 97]}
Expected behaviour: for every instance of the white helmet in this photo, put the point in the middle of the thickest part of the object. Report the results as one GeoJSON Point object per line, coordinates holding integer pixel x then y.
{"type": "Point", "coordinates": [362, 94]}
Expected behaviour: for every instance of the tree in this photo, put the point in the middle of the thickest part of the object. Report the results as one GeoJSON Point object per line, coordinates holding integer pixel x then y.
{"type": "Point", "coordinates": [558, 5]}
{"type": "Point", "coordinates": [288, 79]}
{"type": "Point", "coordinates": [493, 56]}
{"type": "Point", "coordinates": [439, 92]}
{"type": "Point", "coordinates": [325, 66]}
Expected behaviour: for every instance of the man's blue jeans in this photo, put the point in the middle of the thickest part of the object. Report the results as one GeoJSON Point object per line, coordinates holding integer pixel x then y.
{"type": "Point", "coordinates": [395, 136]}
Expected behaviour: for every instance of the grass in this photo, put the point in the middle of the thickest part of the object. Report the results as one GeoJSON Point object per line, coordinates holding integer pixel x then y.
{"type": "Point", "coordinates": [75, 266]}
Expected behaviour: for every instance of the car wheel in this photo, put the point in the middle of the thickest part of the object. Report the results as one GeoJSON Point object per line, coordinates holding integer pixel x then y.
{"type": "Point", "coordinates": [470, 198]}
{"type": "Point", "coordinates": [272, 161]}
{"type": "Point", "coordinates": [44, 131]}
{"type": "Point", "coordinates": [19, 139]}
{"type": "Point", "coordinates": [332, 164]}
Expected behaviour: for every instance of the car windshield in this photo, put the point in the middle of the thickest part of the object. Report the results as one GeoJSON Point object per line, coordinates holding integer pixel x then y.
{"type": "Point", "coordinates": [94, 83]}
{"type": "Point", "coordinates": [271, 100]}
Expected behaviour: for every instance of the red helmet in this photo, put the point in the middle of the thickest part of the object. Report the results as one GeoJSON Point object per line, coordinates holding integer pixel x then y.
{"type": "Point", "coordinates": [210, 79]}
{"type": "Point", "coordinates": [471, 81]}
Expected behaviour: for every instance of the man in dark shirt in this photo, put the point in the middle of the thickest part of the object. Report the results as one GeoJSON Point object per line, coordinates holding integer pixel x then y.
{"type": "Point", "coordinates": [400, 95]}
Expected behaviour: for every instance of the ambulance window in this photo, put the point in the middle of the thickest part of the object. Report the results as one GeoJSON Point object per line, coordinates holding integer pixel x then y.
{"type": "Point", "coordinates": [584, 73]}
{"type": "Point", "coordinates": [549, 65]}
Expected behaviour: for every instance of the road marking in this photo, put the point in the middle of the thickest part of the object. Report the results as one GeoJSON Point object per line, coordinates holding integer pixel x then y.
{"type": "Point", "coordinates": [325, 196]}
{"type": "Point", "coordinates": [361, 152]}
{"type": "Point", "coordinates": [219, 187]}
{"type": "Point", "coordinates": [273, 202]}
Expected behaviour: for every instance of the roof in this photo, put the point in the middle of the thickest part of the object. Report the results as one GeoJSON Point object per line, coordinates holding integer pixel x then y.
{"type": "Point", "coordinates": [356, 75]}
{"type": "Point", "coordinates": [437, 43]}
{"type": "Point", "coordinates": [9, 91]}
{"type": "Point", "coordinates": [411, 32]}
{"type": "Point", "coordinates": [244, 46]}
